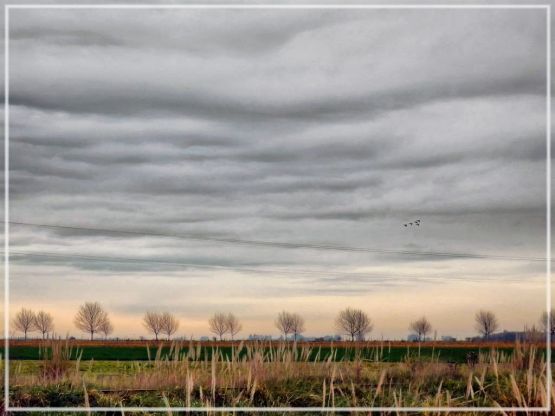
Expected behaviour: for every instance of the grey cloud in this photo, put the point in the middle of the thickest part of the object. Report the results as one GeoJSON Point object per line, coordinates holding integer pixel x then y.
{"type": "Point", "coordinates": [188, 28]}
{"type": "Point", "coordinates": [295, 127]}
{"type": "Point", "coordinates": [142, 99]}
{"type": "Point", "coordinates": [175, 83]}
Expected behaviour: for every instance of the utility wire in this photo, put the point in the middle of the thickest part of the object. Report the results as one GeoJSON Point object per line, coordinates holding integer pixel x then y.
{"type": "Point", "coordinates": [312, 246]}
{"type": "Point", "coordinates": [172, 263]}
{"type": "Point", "coordinates": [296, 272]}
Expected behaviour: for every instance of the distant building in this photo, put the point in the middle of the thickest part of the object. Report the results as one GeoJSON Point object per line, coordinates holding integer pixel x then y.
{"type": "Point", "coordinates": [414, 338]}
{"type": "Point", "coordinates": [325, 338]}
{"type": "Point", "coordinates": [205, 338]}
{"type": "Point", "coordinates": [448, 338]}
{"type": "Point", "coordinates": [507, 336]}
{"type": "Point", "coordinates": [258, 337]}
{"type": "Point", "coordinates": [328, 338]}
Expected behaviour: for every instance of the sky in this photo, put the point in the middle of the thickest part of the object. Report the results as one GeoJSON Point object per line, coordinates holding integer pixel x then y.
{"type": "Point", "coordinates": [309, 127]}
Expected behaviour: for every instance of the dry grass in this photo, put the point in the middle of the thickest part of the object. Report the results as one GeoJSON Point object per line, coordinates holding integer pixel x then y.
{"type": "Point", "coordinates": [286, 376]}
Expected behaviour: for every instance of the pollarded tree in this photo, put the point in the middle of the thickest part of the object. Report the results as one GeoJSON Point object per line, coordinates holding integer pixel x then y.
{"type": "Point", "coordinates": [297, 325]}
{"type": "Point", "coordinates": [233, 325]}
{"type": "Point", "coordinates": [218, 324]}
{"type": "Point", "coordinates": [24, 321]}
{"type": "Point", "coordinates": [354, 322]}
{"type": "Point", "coordinates": [90, 318]}
{"type": "Point", "coordinates": [421, 327]}
{"type": "Point", "coordinates": [486, 323]}
{"type": "Point", "coordinates": [44, 323]}
{"type": "Point", "coordinates": [153, 322]}
{"type": "Point", "coordinates": [170, 324]}
{"type": "Point", "coordinates": [284, 322]}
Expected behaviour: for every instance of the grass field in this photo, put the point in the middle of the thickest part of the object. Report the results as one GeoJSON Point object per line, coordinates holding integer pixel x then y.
{"type": "Point", "coordinates": [278, 374]}
{"type": "Point", "coordinates": [373, 351]}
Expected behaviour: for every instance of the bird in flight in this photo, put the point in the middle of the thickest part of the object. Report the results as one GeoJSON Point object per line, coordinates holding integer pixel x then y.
{"type": "Point", "coordinates": [415, 222]}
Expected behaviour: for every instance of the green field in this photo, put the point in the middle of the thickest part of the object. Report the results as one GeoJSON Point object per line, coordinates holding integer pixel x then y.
{"type": "Point", "coordinates": [385, 354]}
{"type": "Point", "coordinates": [277, 375]}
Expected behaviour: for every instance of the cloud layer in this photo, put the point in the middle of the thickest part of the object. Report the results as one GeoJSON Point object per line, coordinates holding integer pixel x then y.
{"type": "Point", "coordinates": [330, 127]}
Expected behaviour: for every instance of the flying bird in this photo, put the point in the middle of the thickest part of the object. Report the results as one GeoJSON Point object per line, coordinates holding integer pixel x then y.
{"type": "Point", "coordinates": [416, 222]}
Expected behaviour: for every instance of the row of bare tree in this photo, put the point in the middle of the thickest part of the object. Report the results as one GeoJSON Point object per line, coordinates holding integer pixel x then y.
{"type": "Point", "coordinates": [165, 323]}
{"type": "Point", "coordinates": [90, 318]}
{"type": "Point", "coordinates": [355, 323]}
{"type": "Point", "coordinates": [485, 322]}
{"type": "Point", "coordinates": [161, 323]}
{"type": "Point", "coordinates": [28, 321]}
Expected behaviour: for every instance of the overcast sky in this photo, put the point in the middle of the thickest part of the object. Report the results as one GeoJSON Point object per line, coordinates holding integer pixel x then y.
{"type": "Point", "coordinates": [330, 127]}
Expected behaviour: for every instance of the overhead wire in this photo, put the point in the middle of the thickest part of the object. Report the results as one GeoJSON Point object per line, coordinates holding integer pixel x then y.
{"type": "Point", "coordinates": [281, 244]}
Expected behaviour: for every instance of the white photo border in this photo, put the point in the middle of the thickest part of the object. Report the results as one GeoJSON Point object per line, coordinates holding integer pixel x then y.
{"type": "Point", "coordinates": [8, 7]}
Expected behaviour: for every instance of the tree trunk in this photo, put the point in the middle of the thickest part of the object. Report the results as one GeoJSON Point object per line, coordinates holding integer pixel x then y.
{"type": "Point", "coordinates": [25, 335]}
{"type": "Point", "coordinates": [92, 335]}
{"type": "Point", "coordinates": [156, 335]}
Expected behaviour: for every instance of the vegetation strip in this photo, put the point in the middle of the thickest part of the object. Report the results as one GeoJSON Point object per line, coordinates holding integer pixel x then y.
{"type": "Point", "coordinates": [386, 354]}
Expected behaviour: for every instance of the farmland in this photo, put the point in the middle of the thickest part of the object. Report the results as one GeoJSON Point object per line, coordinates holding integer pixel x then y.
{"type": "Point", "coordinates": [250, 374]}
{"type": "Point", "coordinates": [388, 351]}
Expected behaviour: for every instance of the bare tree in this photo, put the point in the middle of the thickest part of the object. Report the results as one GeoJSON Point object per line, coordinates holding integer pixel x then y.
{"type": "Point", "coordinates": [284, 322]}
{"type": "Point", "coordinates": [106, 327]}
{"type": "Point", "coordinates": [44, 323]}
{"type": "Point", "coordinates": [90, 318]}
{"type": "Point", "coordinates": [297, 325]}
{"type": "Point", "coordinates": [354, 323]}
{"type": "Point", "coordinates": [422, 327]}
{"type": "Point", "coordinates": [547, 323]}
{"type": "Point", "coordinates": [153, 322]}
{"type": "Point", "coordinates": [486, 323]}
{"type": "Point", "coordinates": [24, 321]}
{"type": "Point", "coordinates": [170, 324]}
{"type": "Point", "coordinates": [233, 325]}
{"type": "Point", "coordinates": [218, 324]}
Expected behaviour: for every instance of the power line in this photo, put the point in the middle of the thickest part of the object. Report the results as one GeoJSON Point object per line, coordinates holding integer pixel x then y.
{"type": "Point", "coordinates": [169, 263]}
{"type": "Point", "coordinates": [288, 245]}
{"type": "Point", "coordinates": [296, 272]}
{"type": "Point", "coordinates": [205, 266]}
